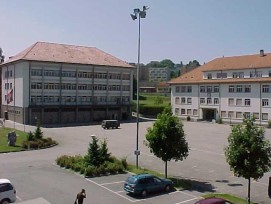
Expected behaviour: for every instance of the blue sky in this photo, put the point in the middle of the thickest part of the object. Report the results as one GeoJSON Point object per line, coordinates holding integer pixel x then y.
{"type": "Point", "coordinates": [180, 30]}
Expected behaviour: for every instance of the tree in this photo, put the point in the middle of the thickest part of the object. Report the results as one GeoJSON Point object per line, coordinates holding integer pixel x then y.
{"type": "Point", "coordinates": [104, 155]}
{"type": "Point", "coordinates": [93, 156]}
{"type": "Point", "coordinates": [248, 153]}
{"type": "Point", "coordinates": [38, 134]}
{"type": "Point", "coordinates": [166, 139]}
{"type": "Point", "coordinates": [167, 63]}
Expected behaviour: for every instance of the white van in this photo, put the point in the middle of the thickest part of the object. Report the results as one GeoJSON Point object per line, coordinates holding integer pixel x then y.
{"type": "Point", "coordinates": [7, 192]}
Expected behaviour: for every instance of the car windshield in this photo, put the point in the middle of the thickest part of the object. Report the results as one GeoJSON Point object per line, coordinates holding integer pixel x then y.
{"type": "Point", "coordinates": [131, 180]}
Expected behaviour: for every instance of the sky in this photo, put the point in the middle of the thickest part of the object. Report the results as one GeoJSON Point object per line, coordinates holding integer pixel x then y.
{"type": "Point", "coordinates": [179, 30]}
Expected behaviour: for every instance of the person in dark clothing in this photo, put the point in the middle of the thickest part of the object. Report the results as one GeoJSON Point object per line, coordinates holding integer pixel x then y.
{"type": "Point", "coordinates": [81, 196]}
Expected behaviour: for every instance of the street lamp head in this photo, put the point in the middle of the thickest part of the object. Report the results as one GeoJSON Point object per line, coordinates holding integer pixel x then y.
{"type": "Point", "coordinates": [142, 14]}
{"type": "Point", "coordinates": [145, 8]}
{"type": "Point", "coordinates": [134, 17]}
{"type": "Point", "coordinates": [136, 11]}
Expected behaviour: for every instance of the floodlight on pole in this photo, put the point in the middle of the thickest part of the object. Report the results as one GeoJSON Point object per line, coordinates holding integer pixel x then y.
{"type": "Point", "coordinates": [138, 14]}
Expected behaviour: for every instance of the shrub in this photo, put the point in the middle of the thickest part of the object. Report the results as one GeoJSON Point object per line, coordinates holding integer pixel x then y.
{"type": "Point", "coordinates": [124, 163]}
{"type": "Point", "coordinates": [90, 171]}
{"type": "Point", "coordinates": [188, 118]}
{"type": "Point", "coordinates": [30, 136]}
{"type": "Point", "coordinates": [269, 124]}
{"type": "Point", "coordinates": [219, 121]}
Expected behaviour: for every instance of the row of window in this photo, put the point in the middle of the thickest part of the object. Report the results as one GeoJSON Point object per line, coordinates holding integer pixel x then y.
{"type": "Point", "coordinates": [8, 86]}
{"type": "Point", "coordinates": [240, 115]}
{"type": "Point", "coordinates": [252, 74]}
{"type": "Point", "coordinates": [56, 99]}
{"type": "Point", "coordinates": [72, 74]}
{"type": "Point", "coordinates": [215, 89]}
{"type": "Point", "coordinates": [224, 114]}
{"type": "Point", "coordinates": [186, 111]}
{"type": "Point", "coordinates": [72, 86]}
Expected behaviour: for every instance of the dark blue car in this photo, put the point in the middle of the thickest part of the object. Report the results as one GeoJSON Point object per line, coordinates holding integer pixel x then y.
{"type": "Point", "coordinates": [142, 184]}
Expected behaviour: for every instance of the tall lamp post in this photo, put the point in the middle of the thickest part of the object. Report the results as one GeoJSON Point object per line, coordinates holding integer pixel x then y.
{"type": "Point", "coordinates": [138, 14]}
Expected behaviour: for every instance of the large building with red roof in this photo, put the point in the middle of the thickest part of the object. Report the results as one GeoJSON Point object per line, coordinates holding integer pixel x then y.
{"type": "Point", "coordinates": [229, 88]}
{"type": "Point", "coordinates": [59, 84]}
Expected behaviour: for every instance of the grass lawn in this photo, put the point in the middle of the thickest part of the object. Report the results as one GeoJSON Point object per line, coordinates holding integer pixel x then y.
{"type": "Point", "coordinates": [21, 136]}
{"type": "Point", "coordinates": [154, 99]}
{"type": "Point", "coordinates": [228, 197]}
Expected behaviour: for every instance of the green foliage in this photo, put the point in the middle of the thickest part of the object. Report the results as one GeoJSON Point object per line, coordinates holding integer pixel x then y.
{"type": "Point", "coordinates": [30, 136]}
{"type": "Point", "coordinates": [269, 124]}
{"type": "Point", "coordinates": [103, 152]}
{"type": "Point", "coordinates": [219, 120]}
{"type": "Point", "coordinates": [38, 133]}
{"type": "Point", "coordinates": [166, 139]}
{"type": "Point", "coordinates": [158, 100]}
{"type": "Point", "coordinates": [93, 156]}
{"type": "Point", "coordinates": [248, 153]}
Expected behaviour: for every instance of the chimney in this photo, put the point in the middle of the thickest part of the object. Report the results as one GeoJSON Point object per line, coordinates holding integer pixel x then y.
{"type": "Point", "coordinates": [261, 53]}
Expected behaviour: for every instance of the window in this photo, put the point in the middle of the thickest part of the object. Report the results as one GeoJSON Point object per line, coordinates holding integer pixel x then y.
{"type": "Point", "coordinates": [265, 88]}
{"type": "Point", "coordinates": [177, 89]}
{"type": "Point", "coordinates": [239, 115]}
{"type": "Point", "coordinates": [238, 101]}
{"type": "Point", "coordinates": [177, 111]}
{"type": "Point", "coordinates": [234, 75]}
{"type": "Point", "coordinates": [247, 115]}
{"type": "Point", "coordinates": [209, 100]}
{"type": "Point", "coordinates": [239, 89]}
{"type": "Point", "coordinates": [182, 100]}
{"type": "Point", "coordinates": [189, 100]}
{"type": "Point", "coordinates": [216, 89]}
{"type": "Point", "coordinates": [224, 75]}
{"type": "Point", "coordinates": [209, 76]}
{"type": "Point", "coordinates": [202, 100]}
{"type": "Point", "coordinates": [223, 114]}
{"type": "Point", "coordinates": [189, 112]}
{"type": "Point", "coordinates": [202, 89]}
{"type": "Point", "coordinates": [195, 112]}
{"type": "Point", "coordinates": [238, 75]}
{"type": "Point", "coordinates": [221, 75]}
{"type": "Point", "coordinates": [189, 89]}
{"type": "Point", "coordinates": [231, 89]}
{"type": "Point", "coordinates": [247, 102]}
{"type": "Point", "coordinates": [247, 88]}
{"type": "Point", "coordinates": [182, 111]}
{"type": "Point", "coordinates": [264, 116]}
{"type": "Point", "coordinates": [256, 115]}
{"type": "Point", "coordinates": [269, 73]}
{"type": "Point", "coordinates": [231, 101]}
{"type": "Point", "coordinates": [230, 114]}
{"type": "Point", "coordinates": [265, 102]}
{"type": "Point", "coordinates": [183, 89]}
{"type": "Point", "coordinates": [216, 100]}
{"type": "Point", "coordinates": [209, 89]}
{"type": "Point", "coordinates": [177, 100]}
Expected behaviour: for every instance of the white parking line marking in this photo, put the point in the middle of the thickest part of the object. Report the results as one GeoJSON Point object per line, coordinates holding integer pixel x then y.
{"type": "Point", "coordinates": [188, 194]}
{"type": "Point", "coordinates": [187, 200]}
{"type": "Point", "coordinates": [104, 184]}
{"type": "Point", "coordinates": [112, 191]}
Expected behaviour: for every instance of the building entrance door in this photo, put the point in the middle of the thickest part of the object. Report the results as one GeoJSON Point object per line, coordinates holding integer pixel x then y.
{"type": "Point", "coordinates": [208, 114]}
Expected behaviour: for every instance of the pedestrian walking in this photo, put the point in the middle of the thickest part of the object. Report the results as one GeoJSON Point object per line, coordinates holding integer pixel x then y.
{"type": "Point", "coordinates": [80, 197]}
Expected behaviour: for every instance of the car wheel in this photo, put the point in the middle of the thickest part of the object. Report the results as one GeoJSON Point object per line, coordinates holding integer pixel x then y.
{"type": "Point", "coordinates": [144, 193]}
{"type": "Point", "coordinates": [5, 202]}
{"type": "Point", "coordinates": [167, 188]}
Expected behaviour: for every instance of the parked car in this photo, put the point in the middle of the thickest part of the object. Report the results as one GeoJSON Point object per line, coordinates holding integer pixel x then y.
{"type": "Point", "coordinates": [106, 124]}
{"type": "Point", "coordinates": [143, 184]}
{"type": "Point", "coordinates": [7, 192]}
{"type": "Point", "coordinates": [213, 201]}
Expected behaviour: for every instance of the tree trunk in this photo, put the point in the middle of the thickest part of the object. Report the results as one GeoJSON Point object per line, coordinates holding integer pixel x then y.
{"type": "Point", "coordinates": [248, 191]}
{"type": "Point", "coordinates": [165, 169]}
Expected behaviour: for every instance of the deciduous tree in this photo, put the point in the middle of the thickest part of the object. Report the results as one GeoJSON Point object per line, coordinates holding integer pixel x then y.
{"type": "Point", "coordinates": [248, 152]}
{"type": "Point", "coordinates": [166, 139]}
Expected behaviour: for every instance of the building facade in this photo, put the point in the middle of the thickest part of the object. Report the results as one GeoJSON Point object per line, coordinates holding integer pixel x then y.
{"type": "Point", "coordinates": [59, 84]}
{"type": "Point", "coordinates": [159, 74]}
{"type": "Point", "coordinates": [229, 88]}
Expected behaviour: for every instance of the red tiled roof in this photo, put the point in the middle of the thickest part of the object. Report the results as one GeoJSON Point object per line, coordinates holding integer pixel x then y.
{"type": "Point", "coordinates": [53, 52]}
{"type": "Point", "coordinates": [224, 64]}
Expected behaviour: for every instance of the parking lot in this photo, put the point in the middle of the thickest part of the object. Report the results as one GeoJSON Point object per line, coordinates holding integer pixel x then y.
{"type": "Point", "coordinates": [205, 166]}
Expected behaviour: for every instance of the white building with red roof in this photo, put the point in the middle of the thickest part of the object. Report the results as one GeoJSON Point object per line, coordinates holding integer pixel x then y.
{"type": "Point", "coordinates": [59, 84]}
{"type": "Point", "coordinates": [229, 88]}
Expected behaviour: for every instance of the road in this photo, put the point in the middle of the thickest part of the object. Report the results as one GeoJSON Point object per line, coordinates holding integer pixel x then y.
{"type": "Point", "coordinates": [35, 174]}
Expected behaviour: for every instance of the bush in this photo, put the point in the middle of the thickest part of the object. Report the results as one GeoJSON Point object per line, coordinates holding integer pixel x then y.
{"type": "Point", "coordinates": [124, 163]}
{"type": "Point", "coordinates": [188, 118]}
{"type": "Point", "coordinates": [219, 121]}
{"type": "Point", "coordinates": [90, 171]}
{"type": "Point", "coordinates": [30, 136]}
{"type": "Point", "coordinates": [269, 124]}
